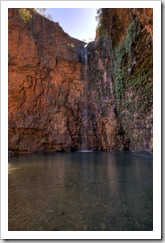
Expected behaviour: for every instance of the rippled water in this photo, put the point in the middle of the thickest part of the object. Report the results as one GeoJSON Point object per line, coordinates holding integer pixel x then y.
{"type": "Point", "coordinates": [81, 191]}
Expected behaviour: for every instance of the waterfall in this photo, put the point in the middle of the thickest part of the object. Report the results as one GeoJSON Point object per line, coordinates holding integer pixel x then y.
{"type": "Point", "coordinates": [85, 115]}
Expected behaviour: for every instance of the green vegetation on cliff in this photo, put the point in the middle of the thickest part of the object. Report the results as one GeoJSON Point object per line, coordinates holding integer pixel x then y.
{"type": "Point", "coordinates": [26, 14]}
{"type": "Point", "coordinates": [126, 50]}
{"type": "Point", "coordinates": [130, 60]}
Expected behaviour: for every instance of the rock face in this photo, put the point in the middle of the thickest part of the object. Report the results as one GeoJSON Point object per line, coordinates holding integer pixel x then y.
{"type": "Point", "coordinates": [64, 97]}
{"type": "Point", "coordinates": [124, 74]}
{"type": "Point", "coordinates": [45, 86]}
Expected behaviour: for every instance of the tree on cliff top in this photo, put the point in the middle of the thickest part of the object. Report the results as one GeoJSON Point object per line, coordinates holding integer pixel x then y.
{"type": "Point", "coordinates": [42, 11]}
{"type": "Point", "coordinates": [26, 14]}
{"type": "Point", "coordinates": [100, 28]}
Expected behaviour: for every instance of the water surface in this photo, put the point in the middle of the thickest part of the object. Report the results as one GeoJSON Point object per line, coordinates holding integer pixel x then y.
{"type": "Point", "coordinates": [81, 191]}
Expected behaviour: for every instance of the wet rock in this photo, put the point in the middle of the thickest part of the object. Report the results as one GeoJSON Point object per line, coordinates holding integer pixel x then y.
{"type": "Point", "coordinates": [62, 213]}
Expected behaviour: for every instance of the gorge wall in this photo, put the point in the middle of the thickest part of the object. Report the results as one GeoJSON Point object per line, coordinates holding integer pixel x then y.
{"type": "Point", "coordinates": [121, 77]}
{"type": "Point", "coordinates": [64, 97]}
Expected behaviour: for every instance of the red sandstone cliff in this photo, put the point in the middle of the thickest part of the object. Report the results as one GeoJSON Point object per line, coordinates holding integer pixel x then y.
{"type": "Point", "coordinates": [45, 86]}
{"type": "Point", "coordinates": [55, 100]}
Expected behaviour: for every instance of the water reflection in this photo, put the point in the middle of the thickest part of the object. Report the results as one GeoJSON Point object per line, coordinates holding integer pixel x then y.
{"type": "Point", "coordinates": [81, 191]}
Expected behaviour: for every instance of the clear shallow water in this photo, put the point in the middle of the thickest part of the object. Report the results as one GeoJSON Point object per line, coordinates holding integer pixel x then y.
{"type": "Point", "coordinates": [81, 191]}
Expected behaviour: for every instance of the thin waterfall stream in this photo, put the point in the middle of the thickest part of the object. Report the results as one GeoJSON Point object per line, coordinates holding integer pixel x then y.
{"type": "Point", "coordinates": [85, 111]}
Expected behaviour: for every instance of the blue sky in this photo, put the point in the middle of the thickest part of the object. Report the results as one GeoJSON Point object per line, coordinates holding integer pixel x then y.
{"type": "Point", "coordinates": [77, 22]}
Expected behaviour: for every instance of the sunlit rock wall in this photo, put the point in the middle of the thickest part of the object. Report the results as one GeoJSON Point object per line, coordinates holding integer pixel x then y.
{"type": "Point", "coordinates": [45, 86]}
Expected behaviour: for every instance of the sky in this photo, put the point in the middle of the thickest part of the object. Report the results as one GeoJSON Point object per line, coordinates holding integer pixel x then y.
{"type": "Point", "coordinates": [77, 22]}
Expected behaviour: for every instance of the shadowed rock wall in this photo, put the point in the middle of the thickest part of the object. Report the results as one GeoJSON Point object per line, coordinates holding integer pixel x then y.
{"type": "Point", "coordinates": [121, 77]}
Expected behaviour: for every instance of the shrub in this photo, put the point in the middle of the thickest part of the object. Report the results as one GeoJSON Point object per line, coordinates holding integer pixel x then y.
{"type": "Point", "coordinates": [25, 14]}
